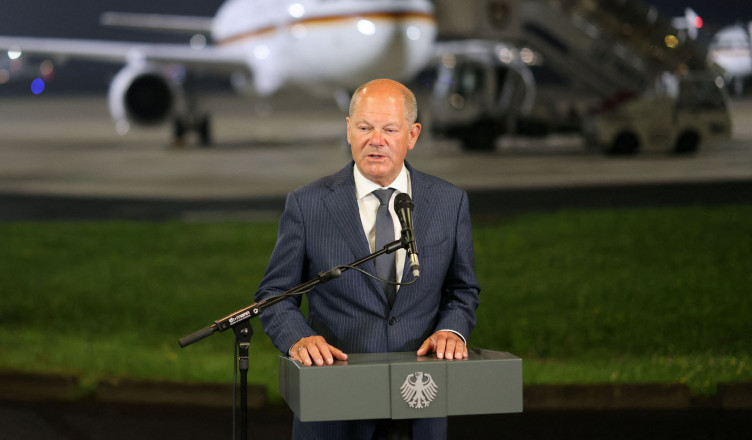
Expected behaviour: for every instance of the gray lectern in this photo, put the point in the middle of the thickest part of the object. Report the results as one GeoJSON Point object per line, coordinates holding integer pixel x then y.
{"type": "Point", "coordinates": [402, 386]}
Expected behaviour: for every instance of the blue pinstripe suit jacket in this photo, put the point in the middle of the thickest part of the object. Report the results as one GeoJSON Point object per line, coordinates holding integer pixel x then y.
{"type": "Point", "coordinates": [321, 228]}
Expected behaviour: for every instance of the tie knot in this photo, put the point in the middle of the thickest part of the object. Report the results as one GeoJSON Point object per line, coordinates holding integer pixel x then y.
{"type": "Point", "coordinates": [384, 195]}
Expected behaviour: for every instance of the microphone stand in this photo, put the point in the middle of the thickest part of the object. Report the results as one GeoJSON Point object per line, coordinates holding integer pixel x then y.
{"type": "Point", "coordinates": [239, 321]}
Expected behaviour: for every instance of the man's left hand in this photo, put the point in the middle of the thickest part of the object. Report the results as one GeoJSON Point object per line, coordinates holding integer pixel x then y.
{"type": "Point", "coordinates": [446, 345]}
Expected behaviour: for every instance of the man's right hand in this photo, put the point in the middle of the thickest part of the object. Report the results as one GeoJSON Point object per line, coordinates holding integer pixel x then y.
{"type": "Point", "coordinates": [315, 349]}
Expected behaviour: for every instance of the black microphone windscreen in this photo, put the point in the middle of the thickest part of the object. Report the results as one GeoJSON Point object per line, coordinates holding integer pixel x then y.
{"type": "Point", "coordinates": [403, 201]}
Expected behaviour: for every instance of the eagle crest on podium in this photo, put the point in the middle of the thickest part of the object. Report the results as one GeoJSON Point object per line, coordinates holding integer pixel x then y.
{"type": "Point", "coordinates": [419, 390]}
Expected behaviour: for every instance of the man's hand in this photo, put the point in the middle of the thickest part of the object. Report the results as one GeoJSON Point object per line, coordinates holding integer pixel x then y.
{"type": "Point", "coordinates": [314, 349]}
{"type": "Point", "coordinates": [446, 345]}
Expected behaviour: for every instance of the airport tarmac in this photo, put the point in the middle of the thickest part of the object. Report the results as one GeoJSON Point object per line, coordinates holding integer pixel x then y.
{"type": "Point", "coordinates": [66, 146]}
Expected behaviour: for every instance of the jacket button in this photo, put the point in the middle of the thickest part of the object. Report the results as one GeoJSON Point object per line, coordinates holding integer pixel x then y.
{"type": "Point", "coordinates": [393, 320]}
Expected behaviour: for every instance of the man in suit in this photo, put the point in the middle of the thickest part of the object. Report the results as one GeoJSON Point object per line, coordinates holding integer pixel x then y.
{"type": "Point", "coordinates": [332, 222]}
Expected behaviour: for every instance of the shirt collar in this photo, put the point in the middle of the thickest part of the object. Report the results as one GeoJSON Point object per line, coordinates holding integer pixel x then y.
{"type": "Point", "coordinates": [363, 186]}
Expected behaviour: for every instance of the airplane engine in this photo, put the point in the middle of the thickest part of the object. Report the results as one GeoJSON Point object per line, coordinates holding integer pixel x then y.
{"type": "Point", "coordinates": [143, 95]}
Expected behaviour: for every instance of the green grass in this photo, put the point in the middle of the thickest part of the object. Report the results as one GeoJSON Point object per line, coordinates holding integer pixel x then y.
{"type": "Point", "coordinates": [640, 295]}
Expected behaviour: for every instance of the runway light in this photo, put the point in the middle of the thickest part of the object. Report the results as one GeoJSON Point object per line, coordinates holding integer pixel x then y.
{"type": "Point", "coordinates": [671, 41]}
{"type": "Point", "coordinates": [37, 86]}
{"type": "Point", "coordinates": [698, 22]}
{"type": "Point", "coordinates": [14, 53]}
{"type": "Point", "coordinates": [366, 27]}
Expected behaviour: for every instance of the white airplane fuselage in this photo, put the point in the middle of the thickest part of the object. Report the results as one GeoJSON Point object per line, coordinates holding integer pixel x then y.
{"type": "Point", "coordinates": [731, 48]}
{"type": "Point", "coordinates": [340, 43]}
{"type": "Point", "coordinates": [322, 45]}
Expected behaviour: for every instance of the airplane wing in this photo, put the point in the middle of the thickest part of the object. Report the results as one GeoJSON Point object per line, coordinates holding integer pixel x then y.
{"type": "Point", "coordinates": [211, 57]}
{"type": "Point", "coordinates": [158, 22]}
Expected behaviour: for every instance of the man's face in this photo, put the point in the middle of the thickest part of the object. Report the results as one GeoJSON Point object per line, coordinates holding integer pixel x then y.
{"type": "Point", "coordinates": [379, 135]}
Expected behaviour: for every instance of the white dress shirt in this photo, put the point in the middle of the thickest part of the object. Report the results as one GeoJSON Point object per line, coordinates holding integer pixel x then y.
{"type": "Point", "coordinates": [368, 204]}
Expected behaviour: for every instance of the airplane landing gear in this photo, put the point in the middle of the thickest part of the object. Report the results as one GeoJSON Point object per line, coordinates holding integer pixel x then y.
{"type": "Point", "coordinates": [184, 124]}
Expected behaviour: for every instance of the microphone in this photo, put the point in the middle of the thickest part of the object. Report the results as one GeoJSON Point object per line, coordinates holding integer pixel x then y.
{"type": "Point", "coordinates": [403, 205]}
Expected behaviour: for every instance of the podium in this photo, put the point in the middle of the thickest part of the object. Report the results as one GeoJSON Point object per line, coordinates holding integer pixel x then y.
{"type": "Point", "coordinates": [402, 386]}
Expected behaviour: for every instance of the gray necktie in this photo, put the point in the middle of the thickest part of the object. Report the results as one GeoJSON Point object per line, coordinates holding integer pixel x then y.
{"type": "Point", "coordinates": [385, 263]}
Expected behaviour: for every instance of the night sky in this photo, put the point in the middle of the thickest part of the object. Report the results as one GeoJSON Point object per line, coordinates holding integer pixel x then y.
{"type": "Point", "coordinates": [60, 18]}
{"type": "Point", "coordinates": [715, 13]}
{"type": "Point", "coordinates": [80, 19]}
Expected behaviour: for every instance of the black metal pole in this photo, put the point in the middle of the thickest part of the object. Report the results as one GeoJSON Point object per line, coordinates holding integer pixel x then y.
{"type": "Point", "coordinates": [243, 334]}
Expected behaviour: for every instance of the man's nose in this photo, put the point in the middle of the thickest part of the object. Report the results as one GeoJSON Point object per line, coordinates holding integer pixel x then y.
{"type": "Point", "coordinates": [377, 138]}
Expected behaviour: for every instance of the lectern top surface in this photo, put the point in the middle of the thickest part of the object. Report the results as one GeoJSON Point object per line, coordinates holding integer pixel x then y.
{"type": "Point", "coordinates": [474, 354]}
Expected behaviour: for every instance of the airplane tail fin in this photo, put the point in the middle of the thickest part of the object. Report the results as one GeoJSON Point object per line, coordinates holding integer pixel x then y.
{"type": "Point", "coordinates": [691, 22]}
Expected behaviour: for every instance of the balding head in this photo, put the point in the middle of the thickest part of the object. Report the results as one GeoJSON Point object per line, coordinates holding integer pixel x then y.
{"type": "Point", "coordinates": [381, 129]}
{"type": "Point", "coordinates": [385, 87]}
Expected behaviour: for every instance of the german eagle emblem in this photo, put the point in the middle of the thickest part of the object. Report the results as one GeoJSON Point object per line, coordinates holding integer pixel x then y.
{"type": "Point", "coordinates": [419, 390]}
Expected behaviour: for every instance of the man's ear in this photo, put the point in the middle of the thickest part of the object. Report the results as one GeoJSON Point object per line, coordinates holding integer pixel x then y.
{"type": "Point", "coordinates": [414, 133]}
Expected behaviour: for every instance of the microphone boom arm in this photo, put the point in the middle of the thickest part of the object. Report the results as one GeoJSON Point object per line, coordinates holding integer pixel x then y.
{"type": "Point", "coordinates": [256, 308]}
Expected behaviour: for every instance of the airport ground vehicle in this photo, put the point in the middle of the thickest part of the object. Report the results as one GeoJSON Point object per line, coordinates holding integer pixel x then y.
{"type": "Point", "coordinates": [669, 119]}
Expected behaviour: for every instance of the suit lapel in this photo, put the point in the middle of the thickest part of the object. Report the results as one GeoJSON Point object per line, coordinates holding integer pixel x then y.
{"type": "Point", "coordinates": [343, 207]}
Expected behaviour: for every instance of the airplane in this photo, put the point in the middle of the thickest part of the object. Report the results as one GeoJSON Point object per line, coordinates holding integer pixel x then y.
{"type": "Point", "coordinates": [321, 45]}
{"type": "Point", "coordinates": [691, 23]}
{"type": "Point", "coordinates": [731, 49]}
